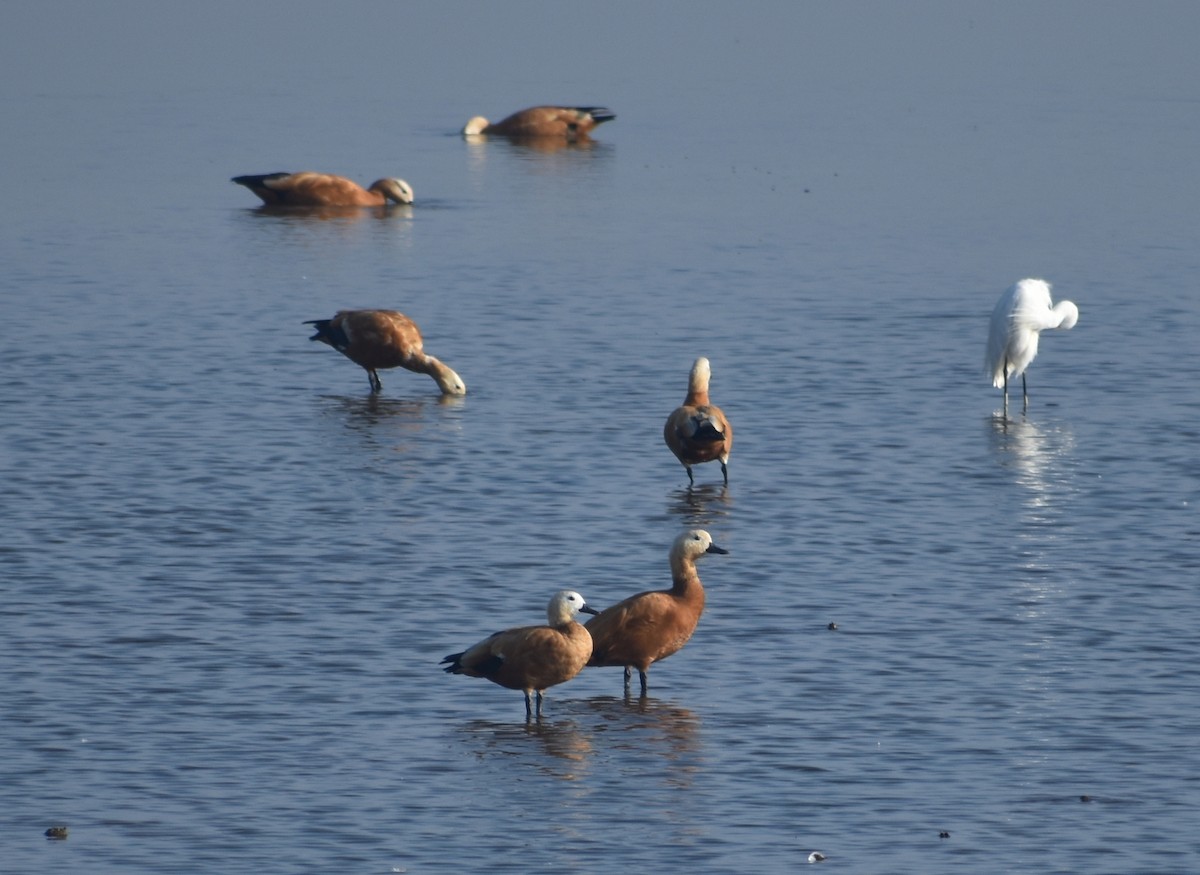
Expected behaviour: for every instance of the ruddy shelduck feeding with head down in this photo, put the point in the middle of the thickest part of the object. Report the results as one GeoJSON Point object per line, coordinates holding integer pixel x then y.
{"type": "Point", "coordinates": [532, 658]}
{"type": "Point", "coordinates": [1023, 312]}
{"type": "Point", "coordinates": [567, 122]}
{"type": "Point", "coordinates": [374, 339]}
{"type": "Point", "coordinates": [650, 626]}
{"type": "Point", "coordinates": [697, 431]}
{"type": "Point", "coordinates": [324, 190]}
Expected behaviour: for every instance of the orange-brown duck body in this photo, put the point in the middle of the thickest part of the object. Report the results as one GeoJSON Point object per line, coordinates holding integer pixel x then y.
{"type": "Point", "coordinates": [567, 122]}
{"type": "Point", "coordinates": [532, 658]}
{"type": "Point", "coordinates": [324, 190]}
{"type": "Point", "coordinates": [377, 339]}
{"type": "Point", "coordinates": [650, 626]}
{"type": "Point", "coordinates": [698, 430]}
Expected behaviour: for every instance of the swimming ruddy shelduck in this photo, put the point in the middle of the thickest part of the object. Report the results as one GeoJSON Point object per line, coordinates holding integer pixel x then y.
{"type": "Point", "coordinates": [532, 658]}
{"type": "Point", "coordinates": [570, 122]}
{"type": "Point", "coordinates": [652, 625]}
{"type": "Point", "coordinates": [324, 190]}
{"type": "Point", "coordinates": [384, 339]}
{"type": "Point", "coordinates": [698, 431]}
{"type": "Point", "coordinates": [1020, 316]}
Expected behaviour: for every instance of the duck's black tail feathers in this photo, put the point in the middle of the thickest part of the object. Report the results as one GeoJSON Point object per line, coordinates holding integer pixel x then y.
{"type": "Point", "coordinates": [326, 333]}
{"type": "Point", "coordinates": [253, 182]}
{"type": "Point", "coordinates": [599, 114]}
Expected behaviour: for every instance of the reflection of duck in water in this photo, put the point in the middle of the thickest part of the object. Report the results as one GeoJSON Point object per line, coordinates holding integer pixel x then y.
{"type": "Point", "coordinates": [650, 626]}
{"type": "Point", "coordinates": [531, 658]}
{"type": "Point", "coordinates": [700, 506]}
{"type": "Point", "coordinates": [560, 739]}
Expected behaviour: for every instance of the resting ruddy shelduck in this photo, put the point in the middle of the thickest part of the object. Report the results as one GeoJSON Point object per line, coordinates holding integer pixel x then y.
{"type": "Point", "coordinates": [570, 122]}
{"type": "Point", "coordinates": [531, 658]}
{"type": "Point", "coordinates": [324, 190]}
{"type": "Point", "coordinates": [698, 431]}
{"type": "Point", "coordinates": [652, 625]}
{"type": "Point", "coordinates": [1021, 315]}
{"type": "Point", "coordinates": [384, 339]}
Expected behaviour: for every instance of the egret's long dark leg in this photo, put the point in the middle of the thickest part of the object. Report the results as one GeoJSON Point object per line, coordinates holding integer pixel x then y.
{"type": "Point", "coordinates": [1006, 385]}
{"type": "Point", "coordinates": [1024, 394]}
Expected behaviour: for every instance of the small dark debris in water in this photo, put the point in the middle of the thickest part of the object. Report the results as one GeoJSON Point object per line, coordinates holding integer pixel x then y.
{"type": "Point", "coordinates": [57, 832]}
{"type": "Point", "coordinates": [1085, 798]}
{"type": "Point", "coordinates": [943, 835]}
{"type": "Point", "coordinates": [832, 627]}
{"type": "Point", "coordinates": [816, 857]}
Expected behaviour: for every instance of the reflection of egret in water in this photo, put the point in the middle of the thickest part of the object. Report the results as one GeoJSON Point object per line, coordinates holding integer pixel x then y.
{"type": "Point", "coordinates": [1040, 456]}
{"type": "Point", "coordinates": [557, 748]}
{"type": "Point", "coordinates": [701, 506]}
{"type": "Point", "coordinates": [651, 725]}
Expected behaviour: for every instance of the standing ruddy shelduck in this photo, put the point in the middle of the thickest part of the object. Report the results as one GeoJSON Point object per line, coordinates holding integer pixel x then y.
{"type": "Point", "coordinates": [384, 339]}
{"type": "Point", "coordinates": [652, 625]}
{"type": "Point", "coordinates": [698, 431]}
{"type": "Point", "coordinates": [571, 122]}
{"type": "Point", "coordinates": [532, 658]}
{"type": "Point", "coordinates": [324, 190]}
{"type": "Point", "coordinates": [1021, 315]}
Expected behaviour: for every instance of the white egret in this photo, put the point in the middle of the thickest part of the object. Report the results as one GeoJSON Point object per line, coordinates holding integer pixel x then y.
{"type": "Point", "coordinates": [1021, 314]}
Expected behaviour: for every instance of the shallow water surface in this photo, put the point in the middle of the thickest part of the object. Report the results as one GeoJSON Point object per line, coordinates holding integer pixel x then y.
{"type": "Point", "coordinates": [231, 571]}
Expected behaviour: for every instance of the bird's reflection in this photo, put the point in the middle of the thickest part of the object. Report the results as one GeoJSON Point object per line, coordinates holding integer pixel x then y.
{"type": "Point", "coordinates": [371, 409]}
{"type": "Point", "coordinates": [560, 748]}
{"type": "Point", "coordinates": [345, 215]}
{"type": "Point", "coordinates": [542, 156]}
{"type": "Point", "coordinates": [1039, 454]}
{"type": "Point", "coordinates": [388, 422]}
{"type": "Point", "coordinates": [649, 724]}
{"type": "Point", "coordinates": [700, 506]}
{"type": "Point", "coordinates": [1040, 457]}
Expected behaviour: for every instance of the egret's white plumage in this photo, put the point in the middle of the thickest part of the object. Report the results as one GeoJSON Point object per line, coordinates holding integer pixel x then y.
{"type": "Point", "coordinates": [1020, 316]}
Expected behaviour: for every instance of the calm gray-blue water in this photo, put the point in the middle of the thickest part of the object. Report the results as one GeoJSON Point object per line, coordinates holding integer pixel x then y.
{"type": "Point", "coordinates": [229, 572]}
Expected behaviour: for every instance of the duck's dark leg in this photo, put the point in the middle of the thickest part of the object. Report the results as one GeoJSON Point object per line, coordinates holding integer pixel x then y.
{"type": "Point", "coordinates": [725, 473]}
{"type": "Point", "coordinates": [539, 703]}
{"type": "Point", "coordinates": [628, 676]}
{"type": "Point", "coordinates": [376, 383]}
{"type": "Point", "coordinates": [642, 675]}
{"type": "Point", "coordinates": [528, 706]}
{"type": "Point", "coordinates": [691, 479]}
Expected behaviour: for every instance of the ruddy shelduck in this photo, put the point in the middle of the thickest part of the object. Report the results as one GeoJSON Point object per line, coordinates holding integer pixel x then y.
{"type": "Point", "coordinates": [324, 190]}
{"type": "Point", "coordinates": [1023, 312]}
{"type": "Point", "coordinates": [650, 626]}
{"type": "Point", "coordinates": [376, 339]}
{"type": "Point", "coordinates": [569, 122]}
{"type": "Point", "coordinates": [532, 658]}
{"type": "Point", "coordinates": [698, 431]}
